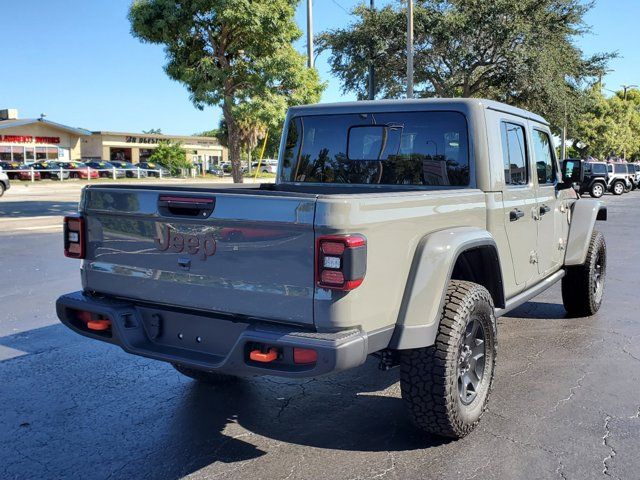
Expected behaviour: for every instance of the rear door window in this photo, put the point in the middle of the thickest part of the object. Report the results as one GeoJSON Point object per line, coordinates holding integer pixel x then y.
{"type": "Point", "coordinates": [514, 154]}
{"type": "Point", "coordinates": [598, 168]}
{"type": "Point", "coordinates": [545, 159]}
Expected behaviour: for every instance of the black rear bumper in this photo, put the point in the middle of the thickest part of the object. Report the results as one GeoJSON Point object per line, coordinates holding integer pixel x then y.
{"type": "Point", "coordinates": [212, 344]}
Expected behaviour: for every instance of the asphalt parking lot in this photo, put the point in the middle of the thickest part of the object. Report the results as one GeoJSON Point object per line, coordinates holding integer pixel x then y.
{"type": "Point", "coordinates": [566, 400]}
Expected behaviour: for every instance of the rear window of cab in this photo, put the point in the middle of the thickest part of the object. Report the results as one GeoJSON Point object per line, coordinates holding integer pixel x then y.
{"type": "Point", "coordinates": [407, 148]}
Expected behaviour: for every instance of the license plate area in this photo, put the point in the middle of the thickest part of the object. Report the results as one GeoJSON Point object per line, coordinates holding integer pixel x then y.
{"type": "Point", "coordinates": [197, 333]}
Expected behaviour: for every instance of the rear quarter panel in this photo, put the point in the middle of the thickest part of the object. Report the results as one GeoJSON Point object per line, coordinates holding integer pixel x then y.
{"type": "Point", "coordinates": [394, 225]}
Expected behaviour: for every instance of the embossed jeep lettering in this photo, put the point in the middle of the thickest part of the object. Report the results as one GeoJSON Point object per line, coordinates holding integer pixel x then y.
{"type": "Point", "coordinates": [201, 245]}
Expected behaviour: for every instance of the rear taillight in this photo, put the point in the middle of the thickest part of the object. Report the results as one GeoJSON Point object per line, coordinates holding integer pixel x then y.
{"type": "Point", "coordinates": [341, 261]}
{"type": "Point", "coordinates": [74, 237]}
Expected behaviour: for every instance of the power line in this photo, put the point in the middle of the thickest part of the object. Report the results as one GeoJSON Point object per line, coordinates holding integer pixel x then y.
{"type": "Point", "coordinates": [344, 9]}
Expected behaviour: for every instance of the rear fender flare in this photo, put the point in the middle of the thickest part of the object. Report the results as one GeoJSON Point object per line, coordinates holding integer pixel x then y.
{"type": "Point", "coordinates": [426, 287]}
{"type": "Point", "coordinates": [584, 214]}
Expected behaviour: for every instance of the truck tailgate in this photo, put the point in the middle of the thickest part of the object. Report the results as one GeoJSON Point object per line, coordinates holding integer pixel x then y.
{"type": "Point", "coordinates": [221, 251]}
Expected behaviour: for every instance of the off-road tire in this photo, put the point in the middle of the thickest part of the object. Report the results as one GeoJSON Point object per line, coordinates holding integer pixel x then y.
{"type": "Point", "coordinates": [618, 191]}
{"type": "Point", "coordinates": [205, 377]}
{"type": "Point", "coordinates": [580, 294]}
{"type": "Point", "coordinates": [429, 376]}
{"type": "Point", "coordinates": [597, 190]}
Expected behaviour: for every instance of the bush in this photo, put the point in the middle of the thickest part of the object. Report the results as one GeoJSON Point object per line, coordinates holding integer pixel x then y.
{"type": "Point", "coordinates": [171, 156]}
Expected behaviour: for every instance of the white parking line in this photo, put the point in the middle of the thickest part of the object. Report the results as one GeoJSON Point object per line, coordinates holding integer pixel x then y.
{"type": "Point", "coordinates": [41, 227]}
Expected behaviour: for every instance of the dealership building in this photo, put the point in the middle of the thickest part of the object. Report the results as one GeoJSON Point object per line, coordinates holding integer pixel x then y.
{"type": "Point", "coordinates": [138, 147]}
{"type": "Point", "coordinates": [35, 139]}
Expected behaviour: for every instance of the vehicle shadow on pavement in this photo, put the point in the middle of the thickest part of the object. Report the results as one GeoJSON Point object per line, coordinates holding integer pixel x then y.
{"type": "Point", "coordinates": [252, 417]}
{"type": "Point", "coordinates": [539, 311]}
{"type": "Point", "coordinates": [357, 411]}
{"type": "Point", "coordinates": [152, 422]}
{"type": "Point", "coordinates": [36, 208]}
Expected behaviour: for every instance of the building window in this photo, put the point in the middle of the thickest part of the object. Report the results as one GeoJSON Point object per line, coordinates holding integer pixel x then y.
{"type": "Point", "coordinates": [41, 153]}
{"type": "Point", "coordinates": [29, 154]}
{"type": "Point", "coordinates": [120, 154]}
{"type": "Point", "coordinates": [18, 154]}
{"type": "Point", "coordinates": [5, 154]}
{"type": "Point", "coordinates": [145, 153]}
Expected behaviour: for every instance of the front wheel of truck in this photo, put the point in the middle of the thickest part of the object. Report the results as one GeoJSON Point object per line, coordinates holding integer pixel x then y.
{"type": "Point", "coordinates": [583, 285]}
{"type": "Point", "coordinates": [446, 386]}
{"type": "Point", "coordinates": [204, 377]}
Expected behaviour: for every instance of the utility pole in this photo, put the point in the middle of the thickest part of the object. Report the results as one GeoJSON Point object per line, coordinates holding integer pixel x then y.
{"type": "Point", "coordinates": [372, 73]}
{"type": "Point", "coordinates": [310, 33]}
{"type": "Point", "coordinates": [410, 49]}
{"type": "Point", "coordinates": [563, 152]}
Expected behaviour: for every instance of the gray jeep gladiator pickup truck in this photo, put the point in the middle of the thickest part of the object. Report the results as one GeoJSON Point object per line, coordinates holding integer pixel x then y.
{"type": "Point", "coordinates": [395, 228]}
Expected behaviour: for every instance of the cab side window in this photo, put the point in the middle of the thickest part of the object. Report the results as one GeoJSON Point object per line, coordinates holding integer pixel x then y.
{"type": "Point", "coordinates": [545, 160]}
{"type": "Point", "coordinates": [514, 154]}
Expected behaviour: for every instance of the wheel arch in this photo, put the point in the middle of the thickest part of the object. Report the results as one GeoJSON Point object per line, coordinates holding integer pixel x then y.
{"type": "Point", "coordinates": [584, 214]}
{"type": "Point", "coordinates": [440, 257]}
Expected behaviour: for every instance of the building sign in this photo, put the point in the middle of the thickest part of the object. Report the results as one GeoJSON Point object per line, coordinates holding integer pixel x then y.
{"type": "Point", "coordinates": [29, 139]}
{"type": "Point", "coordinates": [142, 140]}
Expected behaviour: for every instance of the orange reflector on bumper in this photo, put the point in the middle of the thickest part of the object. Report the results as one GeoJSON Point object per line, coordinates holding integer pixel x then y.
{"type": "Point", "coordinates": [99, 325]}
{"type": "Point", "coordinates": [258, 356]}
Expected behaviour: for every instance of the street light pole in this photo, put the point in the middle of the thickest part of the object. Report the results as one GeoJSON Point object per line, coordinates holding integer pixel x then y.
{"type": "Point", "coordinates": [310, 33]}
{"type": "Point", "coordinates": [626, 89]}
{"type": "Point", "coordinates": [372, 78]}
{"type": "Point", "coordinates": [410, 49]}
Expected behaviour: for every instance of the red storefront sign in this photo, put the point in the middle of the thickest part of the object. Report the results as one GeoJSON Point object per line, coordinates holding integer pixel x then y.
{"type": "Point", "coordinates": [29, 139]}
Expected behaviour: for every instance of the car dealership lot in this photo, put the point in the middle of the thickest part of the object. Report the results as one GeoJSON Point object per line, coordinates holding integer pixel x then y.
{"type": "Point", "coordinates": [566, 400]}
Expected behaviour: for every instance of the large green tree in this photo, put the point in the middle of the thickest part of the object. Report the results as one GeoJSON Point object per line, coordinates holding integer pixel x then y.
{"type": "Point", "coordinates": [232, 54]}
{"type": "Point", "coordinates": [609, 126]}
{"type": "Point", "coordinates": [519, 52]}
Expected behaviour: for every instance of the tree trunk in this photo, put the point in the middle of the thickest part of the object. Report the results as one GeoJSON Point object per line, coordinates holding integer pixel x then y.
{"type": "Point", "coordinates": [234, 141]}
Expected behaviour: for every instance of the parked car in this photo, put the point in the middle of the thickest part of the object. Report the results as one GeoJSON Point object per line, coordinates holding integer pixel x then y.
{"type": "Point", "coordinates": [51, 170]}
{"type": "Point", "coordinates": [25, 173]}
{"type": "Point", "coordinates": [215, 170]}
{"type": "Point", "coordinates": [9, 165]}
{"type": "Point", "coordinates": [586, 177]}
{"type": "Point", "coordinates": [105, 169]}
{"type": "Point", "coordinates": [80, 170]}
{"type": "Point", "coordinates": [5, 184]}
{"type": "Point", "coordinates": [129, 169]}
{"type": "Point", "coordinates": [433, 221]}
{"type": "Point", "coordinates": [265, 167]}
{"type": "Point", "coordinates": [619, 182]}
{"type": "Point", "coordinates": [153, 169]}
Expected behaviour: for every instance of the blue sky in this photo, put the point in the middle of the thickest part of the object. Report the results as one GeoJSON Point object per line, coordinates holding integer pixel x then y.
{"type": "Point", "coordinates": [76, 61]}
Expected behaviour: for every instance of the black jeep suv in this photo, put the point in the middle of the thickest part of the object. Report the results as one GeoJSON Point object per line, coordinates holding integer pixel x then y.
{"type": "Point", "coordinates": [587, 177]}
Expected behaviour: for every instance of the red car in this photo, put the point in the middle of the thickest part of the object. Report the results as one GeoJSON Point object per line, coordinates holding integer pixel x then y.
{"type": "Point", "coordinates": [80, 170]}
{"type": "Point", "coordinates": [25, 174]}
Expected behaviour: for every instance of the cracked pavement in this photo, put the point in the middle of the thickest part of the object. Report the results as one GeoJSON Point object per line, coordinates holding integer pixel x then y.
{"type": "Point", "coordinates": [565, 403]}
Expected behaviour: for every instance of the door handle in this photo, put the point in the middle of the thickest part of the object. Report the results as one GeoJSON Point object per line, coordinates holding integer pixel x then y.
{"type": "Point", "coordinates": [544, 209]}
{"type": "Point", "coordinates": [173, 206]}
{"type": "Point", "coordinates": [515, 214]}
